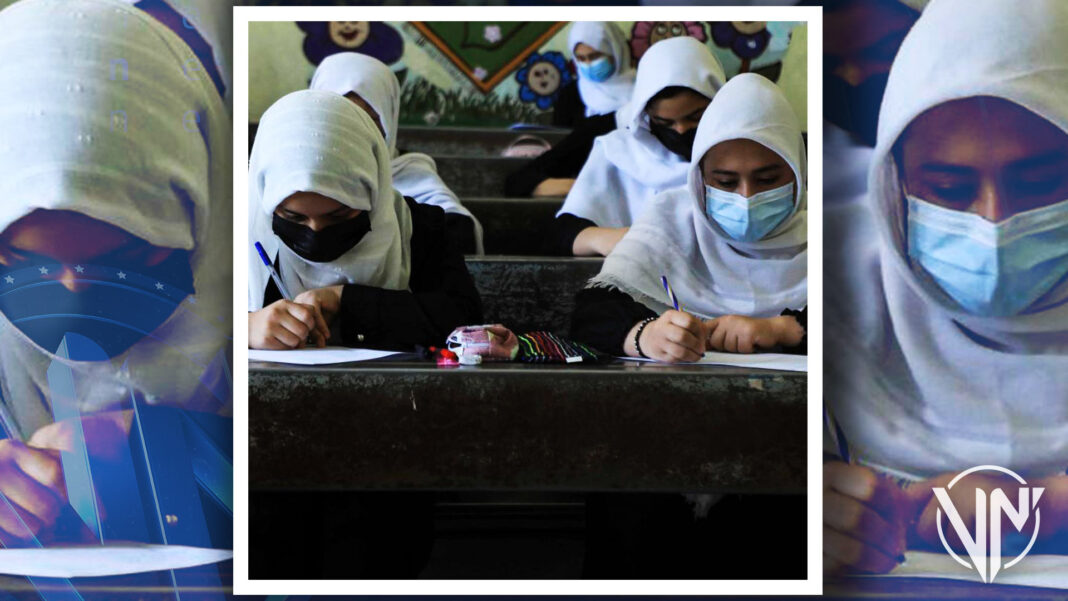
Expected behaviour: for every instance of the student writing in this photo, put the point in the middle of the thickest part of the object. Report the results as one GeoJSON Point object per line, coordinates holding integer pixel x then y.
{"type": "Point", "coordinates": [368, 266]}
{"type": "Point", "coordinates": [947, 332]}
{"type": "Point", "coordinates": [648, 154]}
{"type": "Point", "coordinates": [732, 243]}
{"type": "Point", "coordinates": [605, 81]}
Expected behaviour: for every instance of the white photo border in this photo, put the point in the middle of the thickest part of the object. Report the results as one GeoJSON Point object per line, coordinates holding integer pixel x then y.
{"type": "Point", "coordinates": [813, 584]}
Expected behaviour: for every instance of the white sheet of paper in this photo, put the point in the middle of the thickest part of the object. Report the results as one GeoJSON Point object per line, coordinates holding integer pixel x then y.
{"type": "Point", "coordinates": [319, 356]}
{"type": "Point", "coordinates": [84, 561]}
{"type": "Point", "coordinates": [1048, 571]}
{"type": "Point", "coordinates": [778, 361]}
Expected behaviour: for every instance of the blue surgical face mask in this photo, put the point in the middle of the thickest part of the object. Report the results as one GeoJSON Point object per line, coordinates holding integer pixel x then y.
{"type": "Point", "coordinates": [598, 70]}
{"type": "Point", "coordinates": [749, 219]}
{"type": "Point", "coordinates": [990, 269]}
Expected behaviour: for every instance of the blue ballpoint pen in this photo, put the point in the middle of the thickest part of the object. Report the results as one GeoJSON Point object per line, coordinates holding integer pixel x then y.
{"type": "Point", "coordinates": [671, 293]}
{"type": "Point", "coordinates": [274, 273]}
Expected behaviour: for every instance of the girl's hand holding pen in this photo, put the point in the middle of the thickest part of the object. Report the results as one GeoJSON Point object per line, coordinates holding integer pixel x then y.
{"type": "Point", "coordinates": [32, 490]}
{"type": "Point", "coordinates": [327, 300]}
{"type": "Point", "coordinates": [285, 325]}
{"type": "Point", "coordinates": [675, 337]}
{"type": "Point", "coordinates": [31, 473]}
{"type": "Point", "coordinates": [866, 520]}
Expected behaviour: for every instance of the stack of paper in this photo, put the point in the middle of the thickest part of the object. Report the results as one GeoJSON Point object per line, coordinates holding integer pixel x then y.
{"type": "Point", "coordinates": [319, 356]}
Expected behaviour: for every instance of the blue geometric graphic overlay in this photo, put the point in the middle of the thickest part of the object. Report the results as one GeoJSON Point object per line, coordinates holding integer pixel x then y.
{"type": "Point", "coordinates": [114, 306]}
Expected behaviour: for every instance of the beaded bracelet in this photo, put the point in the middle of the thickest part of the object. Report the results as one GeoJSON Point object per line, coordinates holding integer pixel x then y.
{"type": "Point", "coordinates": [638, 335]}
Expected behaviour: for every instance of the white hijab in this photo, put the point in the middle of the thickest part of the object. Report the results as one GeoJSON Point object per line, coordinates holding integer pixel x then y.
{"type": "Point", "coordinates": [414, 174]}
{"type": "Point", "coordinates": [151, 172]}
{"type": "Point", "coordinates": [629, 166]}
{"type": "Point", "coordinates": [610, 95]}
{"type": "Point", "coordinates": [213, 20]}
{"type": "Point", "coordinates": [918, 386]}
{"type": "Point", "coordinates": [316, 141]}
{"type": "Point", "coordinates": [710, 273]}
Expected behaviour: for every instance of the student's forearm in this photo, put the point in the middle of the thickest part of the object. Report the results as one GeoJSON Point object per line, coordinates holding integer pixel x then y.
{"type": "Point", "coordinates": [561, 233]}
{"type": "Point", "coordinates": [595, 241]}
{"type": "Point", "coordinates": [553, 187]}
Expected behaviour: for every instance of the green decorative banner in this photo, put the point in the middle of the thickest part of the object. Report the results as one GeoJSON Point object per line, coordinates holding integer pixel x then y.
{"type": "Point", "coordinates": [486, 52]}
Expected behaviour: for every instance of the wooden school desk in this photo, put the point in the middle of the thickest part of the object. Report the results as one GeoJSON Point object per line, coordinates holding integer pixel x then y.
{"type": "Point", "coordinates": [407, 425]}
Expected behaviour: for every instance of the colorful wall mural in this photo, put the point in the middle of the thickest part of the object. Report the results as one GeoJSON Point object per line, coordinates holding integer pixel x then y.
{"type": "Point", "coordinates": [497, 73]}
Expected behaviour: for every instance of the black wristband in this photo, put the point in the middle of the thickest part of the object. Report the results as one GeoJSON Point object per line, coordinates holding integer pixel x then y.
{"type": "Point", "coordinates": [638, 335]}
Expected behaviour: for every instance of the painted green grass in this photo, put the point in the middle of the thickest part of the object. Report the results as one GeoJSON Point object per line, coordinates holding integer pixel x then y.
{"type": "Point", "coordinates": [420, 98]}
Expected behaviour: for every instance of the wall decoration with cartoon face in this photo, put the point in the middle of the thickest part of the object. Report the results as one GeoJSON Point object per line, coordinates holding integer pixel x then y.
{"type": "Point", "coordinates": [542, 77]}
{"type": "Point", "coordinates": [349, 34]}
{"type": "Point", "coordinates": [646, 33]}
{"type": "Point", "coordinates": [373, 38]}
{"type": "Point", "coordinates": [746, 39]}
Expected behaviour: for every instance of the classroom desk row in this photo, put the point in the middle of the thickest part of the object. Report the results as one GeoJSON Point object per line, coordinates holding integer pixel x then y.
{"type": "Point", "coordinates": [459, 141]}
{"type": "Point", "coordinates": [514, 226]}
{"type": "Point", "coordinates": [468, 141]}
{"type": "Point", "coordinates": [411, 425]}
{"type": "Point", "coordinates": [531, 293]}
{"type": "Point", "coordinates": [470, 176]}
{"type": "Point", "coordinates": [468, 160]}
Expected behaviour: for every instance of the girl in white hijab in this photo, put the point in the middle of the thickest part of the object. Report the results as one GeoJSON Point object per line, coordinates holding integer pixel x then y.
{"type": "Point", "coordinates": [947, 332]}
{"type": "Point", "coordinates": [365, 265]}
{"type": "Point", "coordinates": [115, 226]}
{"type": "Point", "coordinates": [648, 154]}
{"type": "Point", "coordinates": [605, 82]}
{"type": "Point", "coordinates": [732, 243]}
{"type": "Point", "coordinates": [369, 83]}
{"type": "Point", "coordinates": [602, 57]}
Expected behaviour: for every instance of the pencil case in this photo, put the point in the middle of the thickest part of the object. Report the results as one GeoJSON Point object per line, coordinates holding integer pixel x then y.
{"type": "Point", "coordinates": [490, 342]}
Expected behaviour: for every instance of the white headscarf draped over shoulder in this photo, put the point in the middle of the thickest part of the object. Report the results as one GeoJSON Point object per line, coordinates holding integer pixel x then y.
{"type": "Point", "coordinates": [414, 174]}
{"type": "Point", "coordinates": [213, 20]}
{"type": "Point", "coordinates": [629, 166]}
{"type": "Point", "coordinates": [316, 141]}
{"type": "Point", "coordinates": [919, 386]}
{"type": "Point", "coordinates": [710, 273]}
{"type": "Point", "coordinates": [147, 150]}
{"type": "Point", "coordinates": [603, 97]}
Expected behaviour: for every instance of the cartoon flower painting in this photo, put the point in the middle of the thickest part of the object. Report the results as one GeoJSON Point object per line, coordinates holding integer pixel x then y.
{"type": "Point", "coordinates": [373, 38]}
{"type": "Point", "coordinates": [542, 77]}
{"type": "Point", "coordinates": [492, 33]}
{"type": "Point", "coordinates": [646, 33]}
{"type": "Point", "coordinates": [746, 39]}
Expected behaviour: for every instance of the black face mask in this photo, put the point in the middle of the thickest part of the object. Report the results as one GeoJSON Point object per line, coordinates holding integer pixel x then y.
{"type": "Point", "coordinates": [118, 304]}
{"type": "Point", "coordinates": [680, 144]}
{"type": "Point", "coordinates": [326, 244]}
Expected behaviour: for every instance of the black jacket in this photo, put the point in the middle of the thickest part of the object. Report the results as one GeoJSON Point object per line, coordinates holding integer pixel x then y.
{"type": "Point", "coordinates": [441, 294]}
